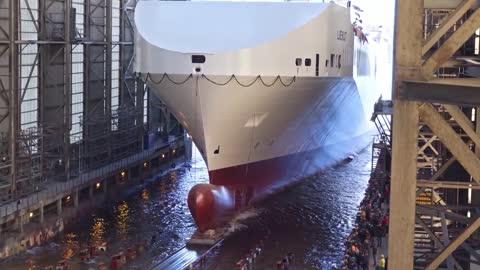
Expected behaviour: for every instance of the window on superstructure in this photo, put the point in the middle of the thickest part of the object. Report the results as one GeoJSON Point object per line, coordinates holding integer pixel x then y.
{"type": "Point", "coordinates": [332, 59]}
{"type": "Point", "coordinates": [326, 63]}
{"type": "Point", "coordinates": [298, 62]}
{"type": "Point", "coordinates": [198, 59]}
{"type": "Point", "coordinates": [339, 61]}
{"type": "Point", "coordinates": [308, 62]}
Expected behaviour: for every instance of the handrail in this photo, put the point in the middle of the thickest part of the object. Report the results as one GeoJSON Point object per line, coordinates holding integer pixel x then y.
{"type": "Point", "coordinates": [199, 260]}
{"type": "Point", "coordinates": [53, 188]}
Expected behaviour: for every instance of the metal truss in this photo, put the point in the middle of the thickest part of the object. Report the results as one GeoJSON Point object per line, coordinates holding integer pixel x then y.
{"type": "Point", "coordinates": [51, 147]}
{"type": "Point", "coordinates": [434, 207]}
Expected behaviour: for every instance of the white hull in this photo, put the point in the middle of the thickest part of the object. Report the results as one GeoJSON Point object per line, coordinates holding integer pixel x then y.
{"type": "Point", "coordinates": [259, 122]}
{"type": "Point", "coordinates": [323, 105]}
{"type": "Point", "coordinates": [270, 92]}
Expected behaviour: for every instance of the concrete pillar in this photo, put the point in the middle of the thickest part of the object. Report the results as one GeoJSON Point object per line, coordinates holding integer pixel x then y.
{"type": "Point", "coordinates": [59, 207]}
{"type": "Point", "coordinates": [90, 191]}
{"type": "Point", "coordinates": [75, 198]}
{"type": "Point", "coordinates": [42, 213]}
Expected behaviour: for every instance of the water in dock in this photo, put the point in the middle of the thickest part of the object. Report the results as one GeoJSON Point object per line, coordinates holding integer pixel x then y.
{"type": "Point", "coordinates": [311, 220]}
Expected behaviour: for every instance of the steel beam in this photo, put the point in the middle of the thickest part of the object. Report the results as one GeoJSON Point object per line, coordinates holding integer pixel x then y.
{"type": "Point", "coordinates": [14, 97]}
{"type": "Point", "coordinates": [435, 263]}
{"type": "Point", "coordinates": [447, 184]}
{"type": "Point", "coordinates": [435, 239]}
{"type": "Point", "coordinates": [68, 86]}
{"type": "Point", "coordinates": [465, 123]}
{"type": "Point", "coordinates": [404, 172]}
{"type": "Point", "coordinates": [441, 4]}
{"type": "Point", "coordinates": [446, 239]}
{"type": "Point", "coordinates": [477, 129]}
{"type": "Point", "coordinates": [108, 71]}
{"type": "Point", "coordinates": [432, 235]}
{"type": "Point", "coordinates": [447, 24]}
{"type": "Point", "coordinates": [456, 40]}
{"type": "Point", "coordinates": [443, 168]}
{"type": "Point", "coordinates": [407, 65]}
{"type": "Point", "coordinates": [451, 140]}
{"type": "Point", "coordinates": [436, 212]}
{"type": "Point", "coordinates": [444, 91]}
{"type": "Point", "coordinates": [470, 250]}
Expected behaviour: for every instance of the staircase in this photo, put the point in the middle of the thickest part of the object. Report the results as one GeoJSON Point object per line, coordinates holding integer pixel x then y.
{"type": "Point", "coordinates": [381, 117]}
{"type": "Point", "coordinates": [382, 143]}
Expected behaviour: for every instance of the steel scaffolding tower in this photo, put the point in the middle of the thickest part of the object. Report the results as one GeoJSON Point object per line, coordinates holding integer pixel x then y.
{"type": "Point", "coordinates": [434, 217]}
{"type": "Point", "coordinates": [69, 101]}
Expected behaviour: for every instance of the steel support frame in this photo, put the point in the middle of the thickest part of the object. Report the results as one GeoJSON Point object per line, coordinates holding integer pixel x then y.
{"type": "Point", "coordinates": [407, 64]}
{"type": "Point", "coordinates": [59, 50]}
{"type": "Point", "coordinates": [14, 82]}
{"type": "Point", "coordinates": [404, 184]}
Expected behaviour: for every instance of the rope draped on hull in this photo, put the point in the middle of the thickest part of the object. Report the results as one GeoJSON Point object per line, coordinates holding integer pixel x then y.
{"type": "Point", "coordinates": [232, 78]}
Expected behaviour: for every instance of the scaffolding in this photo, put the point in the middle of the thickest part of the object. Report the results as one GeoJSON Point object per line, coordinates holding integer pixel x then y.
{"type": "Point", "coordinates": [69, 100]}
{"type": "Point", "coordinates": [435, 180]}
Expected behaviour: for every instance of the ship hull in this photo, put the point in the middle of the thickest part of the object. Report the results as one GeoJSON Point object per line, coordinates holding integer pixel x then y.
{"type": "Point", "coordinates": [258, 138]}
{"type": "Point", "coordinates": [269, 92]}
{"type": "Point", "coordinates": [214, 204]}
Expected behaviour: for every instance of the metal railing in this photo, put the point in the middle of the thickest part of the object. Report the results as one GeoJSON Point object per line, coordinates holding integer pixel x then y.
{"type": "Point", "coordinates": [52, 190]}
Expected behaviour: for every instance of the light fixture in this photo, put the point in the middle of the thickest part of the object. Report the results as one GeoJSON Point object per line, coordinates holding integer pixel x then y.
{"type": "Point", "coordinates": [145, 164]}
{"type": "Point", "coordinates": [173, 151]}
{"type": "Point", "coordinates": [31, 214]}
{"type": "Point", "coordinates": [122, 174]}
{"type": "Point", "coordinates": [163, 155]}
{"type": "Point", "coordinates": [97, 185]}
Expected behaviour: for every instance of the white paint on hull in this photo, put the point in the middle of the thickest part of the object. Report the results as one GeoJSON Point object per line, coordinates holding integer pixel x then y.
{"type": "Point", "coordinates": [249, 124]}
{"type": "Point", "coordinates": [323, 106]}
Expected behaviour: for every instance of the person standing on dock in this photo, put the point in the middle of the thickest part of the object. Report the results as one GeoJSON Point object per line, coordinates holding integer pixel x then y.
{"type": "Point", "coordinates": [381, 263]}
{"type": "Point", "coordinates": [374, 252]}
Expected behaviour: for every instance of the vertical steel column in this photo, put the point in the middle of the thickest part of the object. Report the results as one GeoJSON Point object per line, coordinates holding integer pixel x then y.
{"type": "Point", "coordinates": [86, 85]}
{"type": "Point", "coordinates": [59, 207]}
{"type": "Point", "coordinates": [68, 86]}
{"type": "Point", "coordinates": [121, 52]}
{"type": "Point", "coordinates": [407, 57]}
{"type": "Point", "coordinates": [477, 129]}
{"type": "Point", "coordinates": [13, 106]}
{"type": "Point", "coordinates": [42, 213]}
{"type": "Point", "coordinates": [42, 78]}
{"type": "Point", "coordinates": [403, 185]}
{"type": "Point", "coordinates": [108, 71]}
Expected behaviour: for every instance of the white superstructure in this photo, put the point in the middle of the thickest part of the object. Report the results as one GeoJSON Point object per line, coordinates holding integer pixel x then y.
{"type": "Point", "coordinates": [253, 81]}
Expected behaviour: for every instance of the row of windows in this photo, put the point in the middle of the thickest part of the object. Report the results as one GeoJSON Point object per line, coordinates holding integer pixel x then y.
{"type": "Point", "coordinates": [298, 62]}
{"type": "Point", "coordinates": [335, 61]}
{"type": "Point", "coordinates": [145, 104]}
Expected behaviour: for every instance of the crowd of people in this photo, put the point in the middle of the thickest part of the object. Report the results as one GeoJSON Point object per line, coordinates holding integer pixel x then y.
{"type": "Point", "coordinates": [371, 227]}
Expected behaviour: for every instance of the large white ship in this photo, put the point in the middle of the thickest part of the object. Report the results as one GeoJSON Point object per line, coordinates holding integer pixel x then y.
{"type": "Point", "coordinates": [270, 92]}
